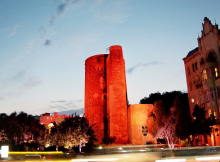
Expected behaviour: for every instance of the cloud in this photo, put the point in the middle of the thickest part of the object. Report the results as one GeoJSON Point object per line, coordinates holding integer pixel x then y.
{"type": "Point", "coordinates": [18, 84]}
{"type": "Point", "coordinates": [12, 30]}
{"type": "Point", "coordinates": [63, 105]}
{"type": "Point", "coordinates": [130, 70]}
{"type": "Point", "coordinates": [114, 12]}
{"type": "Point", "coordinates": [42, 31]}
{"type": "Point", "coordinates": [62, 8]}
{"type": "Point", "coordinates": [47, 43]}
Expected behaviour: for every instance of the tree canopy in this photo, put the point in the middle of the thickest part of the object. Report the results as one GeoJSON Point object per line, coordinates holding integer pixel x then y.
{"type": "Point", "coordinates": [171, 119]}
{"type": "Point", "coordinates": [73, 131]}
{"type": "Point", "coordinates": [20, 128]}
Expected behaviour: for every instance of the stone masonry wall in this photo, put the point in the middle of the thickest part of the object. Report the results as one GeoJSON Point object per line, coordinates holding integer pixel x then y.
{"type": "Point", "coordinates": [116, 95]}
{"type": "Point", "coordinates": [95, 94]}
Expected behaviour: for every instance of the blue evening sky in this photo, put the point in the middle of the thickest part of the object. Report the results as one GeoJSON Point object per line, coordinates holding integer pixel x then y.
{"type": "Point", "coordinates": [44, 45]}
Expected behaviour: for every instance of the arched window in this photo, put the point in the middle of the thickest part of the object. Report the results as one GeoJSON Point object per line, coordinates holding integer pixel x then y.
{"type": "Point", "coordinates": [204, 75]}
{"type": "Point", "coordinates": [211, 56]}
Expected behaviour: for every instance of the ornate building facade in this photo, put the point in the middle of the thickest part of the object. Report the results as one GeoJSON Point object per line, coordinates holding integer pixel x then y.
{"type": "Point", "coordinates": [202, 66]}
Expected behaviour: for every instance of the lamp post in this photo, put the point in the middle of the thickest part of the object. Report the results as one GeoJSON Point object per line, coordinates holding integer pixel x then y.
{"type": "Point", "coordinates": [145, 131]}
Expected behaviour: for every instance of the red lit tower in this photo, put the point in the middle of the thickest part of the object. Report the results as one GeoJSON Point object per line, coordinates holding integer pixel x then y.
{"type": "Point", "coordinates": [95, 93]}
{"type": "Point", "coordinates": [117, 95]}
{"type": "Point", "coordinates": [106, 95]}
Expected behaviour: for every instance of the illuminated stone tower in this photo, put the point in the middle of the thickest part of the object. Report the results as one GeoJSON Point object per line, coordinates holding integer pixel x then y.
{"type": "Point", "coordinates": [95, 94]}
{"type": "Point", "coordinates": [116, 95]}
{"type": "Point", "coordinates": [106, 95]}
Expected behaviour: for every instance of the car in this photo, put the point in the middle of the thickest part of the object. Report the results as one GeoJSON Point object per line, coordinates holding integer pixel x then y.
{"type": "Point", "coordinates": [32, 157]}
{"type": "Point", "coordinates": [211, 151]}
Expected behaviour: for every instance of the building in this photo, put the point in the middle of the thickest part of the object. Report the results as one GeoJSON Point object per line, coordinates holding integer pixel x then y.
{"type": "Point", "coordinates": [47, 120]}
{"type": "Point", "coordinates": [106, 106]}
{"type": "Point", "coordinates": [202, 66]}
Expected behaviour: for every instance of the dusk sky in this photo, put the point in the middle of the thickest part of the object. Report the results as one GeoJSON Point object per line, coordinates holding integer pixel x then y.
{"type": "Point", "coordinates": [44, 45]}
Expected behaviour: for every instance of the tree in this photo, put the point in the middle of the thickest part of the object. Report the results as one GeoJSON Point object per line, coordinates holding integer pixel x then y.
{"type": "Point", "coordinates": [163, 121]}
{"type": "Point", "coordinates": [17, 129]}
{"type": "Point", "coordinates": [73, 131]}
{"type": "Point", "coordinates": [200, 124]}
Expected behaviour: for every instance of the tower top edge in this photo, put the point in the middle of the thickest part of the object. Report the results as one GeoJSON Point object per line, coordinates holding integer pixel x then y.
{"type": "Point", "coordinates": [96, 56]}
{"type": "Point", "coordinates": [115, 47]}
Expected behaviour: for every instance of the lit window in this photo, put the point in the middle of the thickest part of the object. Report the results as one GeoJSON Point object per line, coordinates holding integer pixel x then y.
{"type": "Point", "coordinates": [209, 112]}
{"type": "Point", "coordinates": [204, 75]}
{"type": "Point", "coordinates": [215, 115]}
{"type": "Point", "coordinates": [192, 100]}
{"type": "Point", "coordinates": [47, 117]}
{"type": "Point", "coordinates": [50, 118]}
{"type": "Point", "coordinates": [216, 72]}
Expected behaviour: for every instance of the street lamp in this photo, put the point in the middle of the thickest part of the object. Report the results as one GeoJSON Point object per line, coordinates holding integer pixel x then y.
{"type": "Point", "coordinates": [145, 131]}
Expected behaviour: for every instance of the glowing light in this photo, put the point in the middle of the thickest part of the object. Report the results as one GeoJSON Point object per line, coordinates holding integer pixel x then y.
{"type": "Point", "coordinates": [192, 100]}
{"type": "Point", "coordinates": [207, 158]}
{"type": "Point", "coordinates": [38, 152]}
{"type": "Point", "coordinates": [171, 160]}
{"type": "Point", "coordinates": [142, 150]}
{"type": "Point", "coordinates": [51, 124]}
{"type": "Point", "coordinates": [4, 151]}
{"type": "Point", "coordinates": [86, 160]}
{"type": "Point", "coordinates": [100, 147]}
{"type": "Point", "coordinates": [120, 148]}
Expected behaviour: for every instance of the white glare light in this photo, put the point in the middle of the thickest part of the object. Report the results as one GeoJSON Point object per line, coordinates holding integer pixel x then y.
{"type": "Point", "coordinates": [207, 158]}
{"type": "Point", "coordinates": [4, 151]}
{"type": "Point", "coordinates": [171, 160]}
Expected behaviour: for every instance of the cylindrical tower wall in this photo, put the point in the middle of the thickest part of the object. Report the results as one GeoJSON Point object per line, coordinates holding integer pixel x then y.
{"type": "Point", "coordinates": [95, 94]}
{"type": "Point", "coordinates": [116, 95]}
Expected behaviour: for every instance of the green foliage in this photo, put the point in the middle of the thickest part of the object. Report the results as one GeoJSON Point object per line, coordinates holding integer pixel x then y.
{"type": "Point", "coordinates": [73, 131]}
{"type": "Point", "coordinates": [164, 119]}
{"type": "Point", "coordinates": [17, 129]}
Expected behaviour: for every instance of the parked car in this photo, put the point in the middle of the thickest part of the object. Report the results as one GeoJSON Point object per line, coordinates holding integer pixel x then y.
{"type": "Point", "coordinates": [211, 151]}
{"type": "Point", "coordinates": [32, 157]}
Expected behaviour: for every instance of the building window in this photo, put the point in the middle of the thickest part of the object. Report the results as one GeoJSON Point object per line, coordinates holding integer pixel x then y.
{"type": "Point", "coordinates": [47, 117]}
{"type": "Point", "coordinates": [215, 115]}
{"type": "Point", "coordinates": [192, 100]}
{"type": "Point", "coordinates": [188, 71]}
{"type": "Point", "coordinates": [216, 72]}
{"type": "Point", "coordinates": [202, 61]}
{"type": "Point", "coordinates": [209, 72]}
{"type": "Point", "coordinates": [218, 89]}
{"type": "Point", "coordinates": [207, 94]}
{"type": "Point", "coordinates": [209, 113]}
{"type": "Point", "coordinates": [212, 93]}
{"type": "Point", "coordinates": [193, 66]}
{"type": "Point", "coordinates": [196, 66]}
{"type": "Point", "coordinates": [98, 59]}
{"type": "Point", "coordinates": [104, 96]}
{"type": "Point", "coordinates": [204, 75]}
